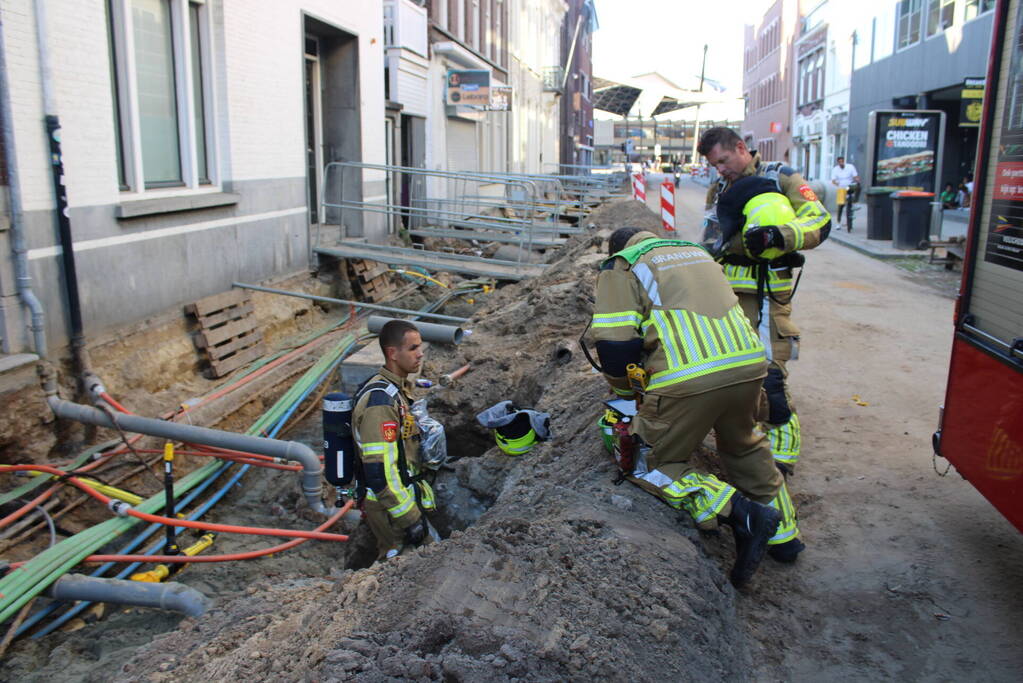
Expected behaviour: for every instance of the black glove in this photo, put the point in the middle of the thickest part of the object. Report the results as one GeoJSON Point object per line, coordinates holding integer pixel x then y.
{"type": "Point", "coordinates": [415, 534]}
{"type": "Point", "coordinates": [761, 238]}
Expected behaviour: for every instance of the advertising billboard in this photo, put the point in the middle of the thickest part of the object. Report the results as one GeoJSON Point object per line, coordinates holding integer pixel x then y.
{"type": "Point", "coordinates": [904, 149]}
{"type": "Point", "coordinates": [469, 88]}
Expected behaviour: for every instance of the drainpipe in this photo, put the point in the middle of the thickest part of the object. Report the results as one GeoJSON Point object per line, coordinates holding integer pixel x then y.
{"type": "Point", "coordinates": [172, 596]}
{"type": "Point", "coordinates": [312, 469]}
{"type": "Point", "coordinates": [79, 353]}
{"type": "Point", "coordinates": [21, 274]}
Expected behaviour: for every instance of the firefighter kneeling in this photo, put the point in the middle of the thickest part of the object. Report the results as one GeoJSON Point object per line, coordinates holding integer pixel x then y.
{"type": "Point", "coordinates": [665, 306]}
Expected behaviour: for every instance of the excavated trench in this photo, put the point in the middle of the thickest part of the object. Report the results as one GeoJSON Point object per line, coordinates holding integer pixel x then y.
{"type": "Point", "coordinates": [545, 566]}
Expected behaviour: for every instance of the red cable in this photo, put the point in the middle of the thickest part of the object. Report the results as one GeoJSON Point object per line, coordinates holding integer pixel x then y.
{"type": "Point", "coordinates": [114, 404]}
{"type": "Point", "coordinates": [227, 557]}
{"type": "Point", "coordinates": [168, 521]}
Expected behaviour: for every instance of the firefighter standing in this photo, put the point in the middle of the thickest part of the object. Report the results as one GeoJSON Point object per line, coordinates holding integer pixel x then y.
{"type": "Point", "coordinates": [388, 441]}
{"type": "Point", "coordinates": [771, 311]}
{"type": "Point", "coordinates": [665, 305]}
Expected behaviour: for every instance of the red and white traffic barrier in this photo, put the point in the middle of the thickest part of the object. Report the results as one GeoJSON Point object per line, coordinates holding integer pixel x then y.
{"type": "Point", "coordinates": [668, 206]}
{"type": "Point", "coordinates": [639, 187]}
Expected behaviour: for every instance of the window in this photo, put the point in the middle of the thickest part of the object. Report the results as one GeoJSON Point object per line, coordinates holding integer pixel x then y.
{"type": "Point", "coordinates": [162, 88]}
{"type": "Point", "coordinates": [939, 15]}
{"type": "Point", "coordinates": [975, 7]}
{"type": "Point", "coordinates": [908, 32]}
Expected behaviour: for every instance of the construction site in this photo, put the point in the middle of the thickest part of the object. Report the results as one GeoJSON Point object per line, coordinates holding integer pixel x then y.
{"type": "Point", "coordinates": [547, 570]}
{"type": "Point", "coordinates": [389, 341]}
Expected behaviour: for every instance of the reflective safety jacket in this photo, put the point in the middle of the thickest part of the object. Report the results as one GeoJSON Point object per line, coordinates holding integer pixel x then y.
{"type": "Point", "coordinates": [810, 225]}
{"type": "Point", "coordinates": [388, 440]}
{"type": "Point", "coordinates": [665, 304]}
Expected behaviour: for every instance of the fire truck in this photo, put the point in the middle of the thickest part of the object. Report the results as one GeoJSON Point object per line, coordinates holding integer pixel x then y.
{"type": "Point", "coordinates": [980, 428]}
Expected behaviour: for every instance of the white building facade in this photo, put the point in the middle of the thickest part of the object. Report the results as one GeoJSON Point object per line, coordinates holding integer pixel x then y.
{"type": "Point", "coordinates": [194, 134]}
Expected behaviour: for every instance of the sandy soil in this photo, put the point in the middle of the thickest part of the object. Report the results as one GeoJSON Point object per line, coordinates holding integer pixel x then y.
{"type": "Point", "coordinates": [553, 573]}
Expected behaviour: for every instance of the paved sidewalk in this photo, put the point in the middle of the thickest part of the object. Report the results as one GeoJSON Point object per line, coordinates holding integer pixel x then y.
{"type": "Point", "coordinates": [953, 224]}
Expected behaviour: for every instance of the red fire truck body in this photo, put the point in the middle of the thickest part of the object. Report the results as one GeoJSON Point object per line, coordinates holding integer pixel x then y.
{"type": "Point", "coordinates": [981, 426]}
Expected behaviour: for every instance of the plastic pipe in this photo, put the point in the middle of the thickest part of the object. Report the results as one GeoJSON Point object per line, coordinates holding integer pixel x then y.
{"type": "Point", "coordinates": [312, 470]}
{"type": "Point", "coordinates": [358, 304]}
{"type": "Point", "coordinates": [454, 374]}
{"type": "Point", "coordinates": [172, 596]}
{"type": "Point", "coordinates": [431, 332]}
{"type": "Point", "coordinates": [21, 273]}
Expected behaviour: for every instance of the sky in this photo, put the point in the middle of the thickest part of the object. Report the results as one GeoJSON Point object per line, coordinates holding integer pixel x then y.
{"type": "Point", "coordinates": [667, 36]}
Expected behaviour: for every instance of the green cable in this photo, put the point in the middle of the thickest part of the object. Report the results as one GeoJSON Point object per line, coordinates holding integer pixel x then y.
{"type": "Point", "coordinates": [24, 583]}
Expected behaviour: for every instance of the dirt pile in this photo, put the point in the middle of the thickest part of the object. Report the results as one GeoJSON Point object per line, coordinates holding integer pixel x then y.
{"type": "Point", "coordinates": [563, 576]}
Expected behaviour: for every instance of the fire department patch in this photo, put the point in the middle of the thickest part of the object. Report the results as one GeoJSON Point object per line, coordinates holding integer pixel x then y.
{"type": "Point", "coordinates": [807, 193]}
{"type": "Point", "coordinates": [389, 430]}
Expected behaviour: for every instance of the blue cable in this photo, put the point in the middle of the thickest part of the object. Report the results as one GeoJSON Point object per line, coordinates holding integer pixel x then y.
{"type": "Point", "coordinates": [199, 512]}
{"type": "Point", "coordinates": [105, 567]}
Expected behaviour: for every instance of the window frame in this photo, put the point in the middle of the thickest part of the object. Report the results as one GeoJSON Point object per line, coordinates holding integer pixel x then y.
{"type": "Point", "coordinates": [127, 116]}
{"type": "Point", "coordinates": [938, 8]}
{"type": "Point", "coordinates": [920, 16]}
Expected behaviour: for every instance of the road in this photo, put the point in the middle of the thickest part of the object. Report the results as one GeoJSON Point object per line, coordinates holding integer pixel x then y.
{"type": "Point", "coordinates": [907, 574]}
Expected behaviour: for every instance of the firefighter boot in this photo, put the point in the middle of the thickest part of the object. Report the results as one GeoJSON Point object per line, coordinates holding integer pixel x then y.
{"type": "Point", "coordinates": [786, 552]}
{"type": "Point", "coordinates": [753, 524]}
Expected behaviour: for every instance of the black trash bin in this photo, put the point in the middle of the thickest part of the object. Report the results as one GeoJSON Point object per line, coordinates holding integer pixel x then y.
{"type": "Point", "coordinates": [911, 223]}
{"type": "Point", "coordinates": [879, 213]}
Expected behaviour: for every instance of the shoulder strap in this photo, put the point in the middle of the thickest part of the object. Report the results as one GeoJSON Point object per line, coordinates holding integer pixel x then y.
{"type": "Point", "coordinates": [772, 171]}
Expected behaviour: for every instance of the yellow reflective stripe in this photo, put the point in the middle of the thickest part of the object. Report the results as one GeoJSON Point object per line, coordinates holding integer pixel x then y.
{"type": "Point", "coordinates": [741, 279]}
{"type": "Point", "coordinates": [703, 495]}
{"type": "Point", "coordinates": [617, 319]}
{"type": "Point", "coordinates": [704, 354]}
{"type": "Point", "coordinates": [788, 529]}
{"type": "Point", "coordinates": [786, 441]}
{"type": "Point", "coordinates": [393, 478]}
{"type": "Point", "coordinates": [429, 502]}
{"type": "Point", "coordinates": [623, 392]}
{"type": "Point", "coordinates": [672, 350]}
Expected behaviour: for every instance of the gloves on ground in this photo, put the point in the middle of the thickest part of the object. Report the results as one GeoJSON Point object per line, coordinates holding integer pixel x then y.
{"type": "Point", "coordinates": [415, 534]}
{"type": "Point", "coordinates": [762, 238]}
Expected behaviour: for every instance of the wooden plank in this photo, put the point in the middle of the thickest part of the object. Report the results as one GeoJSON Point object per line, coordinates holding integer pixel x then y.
{"type": "Point", "coordinates": [212, 304]}
{"type": "Point", "coordinates": [219, 368]}
{"type": "Point", "coordinates": [225, 332]}
{"type": "Point", "coordinates": [233, 313]}
{"type": "Point", "coordinates": [218, 352]}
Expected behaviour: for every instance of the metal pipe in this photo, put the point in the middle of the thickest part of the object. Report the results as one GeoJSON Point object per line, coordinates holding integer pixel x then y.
{"type": "Point", "coordinates": [431, 332]}
{"type": "Point", "coordinates": [67, 250]}
{"type": "Point", "coordinates": [285, 450]}
{"type": "Point", "coordinates": [173, 596]}
{"type": "Point", "coordinates": [22, 278]}
{"type": "Point", "coordinates": [357, 304]}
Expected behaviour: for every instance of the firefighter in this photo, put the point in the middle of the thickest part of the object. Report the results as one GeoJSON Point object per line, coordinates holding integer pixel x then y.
{"type": "Point", "coordinates": [665, 305]}
{"type": "Point", "coordinates": [771, 311]}
{"type": "Point", "coordinates": [387, 436]}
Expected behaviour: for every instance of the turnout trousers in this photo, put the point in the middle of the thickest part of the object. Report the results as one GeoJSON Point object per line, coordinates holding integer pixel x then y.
{"type": "Point", "coordinates": [675, 426]}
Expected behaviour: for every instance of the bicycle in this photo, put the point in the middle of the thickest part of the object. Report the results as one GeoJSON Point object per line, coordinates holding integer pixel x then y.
{"type": "Point", "coordinates": [851, 193]}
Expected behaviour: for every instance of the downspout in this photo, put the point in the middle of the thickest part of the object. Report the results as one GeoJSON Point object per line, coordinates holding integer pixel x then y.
{"type": "Point", "coordinates": [170, 596]}
{"type": "Point", "coordinates": [78, 350]}
{"type": "Point", "coordinates": [21, 273]}
{"type": "Point", "coordinates": [312, 469]}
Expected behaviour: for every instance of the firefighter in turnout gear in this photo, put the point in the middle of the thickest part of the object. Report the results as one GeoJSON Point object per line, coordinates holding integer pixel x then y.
{"type": "Point", "coordinates": [397, 497]}
{"type": "Point", "coordinates": [765, 293]}
{"type": "Point", "coordinates": [665, 307]}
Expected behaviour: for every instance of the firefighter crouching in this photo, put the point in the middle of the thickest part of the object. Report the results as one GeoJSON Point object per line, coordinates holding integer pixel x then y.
{"type": "Point", "coordinates": [388, 440]}
{"type": "Point", "coordinates": [771, 309]}
{"type": "Point", "coordinates": [665, 306]}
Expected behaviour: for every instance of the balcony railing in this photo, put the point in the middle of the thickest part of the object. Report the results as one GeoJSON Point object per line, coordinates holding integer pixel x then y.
{"type": "Point", "coordinates": [553, 77]}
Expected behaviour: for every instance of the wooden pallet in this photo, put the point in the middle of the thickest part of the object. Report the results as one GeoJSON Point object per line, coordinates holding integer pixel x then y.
{"type": "Point", "coordinates": [227, 331]}
{"type": "Point", "coordinates": [372, 280]}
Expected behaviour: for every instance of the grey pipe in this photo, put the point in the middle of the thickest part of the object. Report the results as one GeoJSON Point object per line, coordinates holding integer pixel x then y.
{"type": "Point", "coordinates": [431, 332]}
{"type": "Point", "coordinates": [22, 278]}
{"type": "Point", "coordinates": [312, 469]}
{"type": "Point", "coordinates": [172, 596]}
{"type": "Point", "coordinates": [358, 304]}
